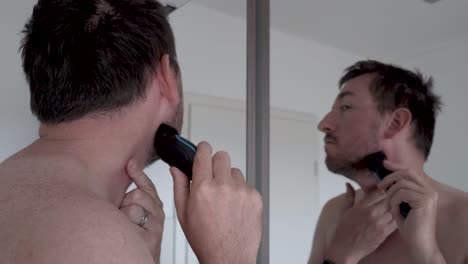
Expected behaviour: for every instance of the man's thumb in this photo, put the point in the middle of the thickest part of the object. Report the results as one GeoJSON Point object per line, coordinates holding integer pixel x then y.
{"type": "Point", "coordinates": [181, 192]}
{"type": "Point", "coordinates": [350, 195]}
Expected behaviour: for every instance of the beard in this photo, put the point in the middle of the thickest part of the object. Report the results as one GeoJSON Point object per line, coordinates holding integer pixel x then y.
{"type": "Point", "coordinates": [349, 161]}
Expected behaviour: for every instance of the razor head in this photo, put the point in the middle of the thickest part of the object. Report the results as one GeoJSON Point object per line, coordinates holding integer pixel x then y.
{"type": "Point", "coordinates": [175, 150]}
{"type": "Point", "coordinates": [374, 162]}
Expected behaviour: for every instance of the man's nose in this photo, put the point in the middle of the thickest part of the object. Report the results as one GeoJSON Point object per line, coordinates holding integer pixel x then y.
{"type": "Point", "coordinates": [327, 124]}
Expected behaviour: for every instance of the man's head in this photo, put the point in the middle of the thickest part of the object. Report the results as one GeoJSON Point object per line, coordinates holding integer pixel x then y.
{"type": "Point", "coordinates": [378, 102]}
{"type": "Point", "coordinates": [86, 57]}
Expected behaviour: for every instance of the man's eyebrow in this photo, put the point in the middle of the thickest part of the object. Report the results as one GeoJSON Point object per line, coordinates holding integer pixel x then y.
{"type": "Point", "coordinates": [344, 94]}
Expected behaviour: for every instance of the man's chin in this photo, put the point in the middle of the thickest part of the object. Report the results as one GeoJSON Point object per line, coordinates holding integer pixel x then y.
{"type": "Point", "coordinates": [342, 168]}
{"type": "Point", "coordinates": [362, 176]}
{"type": "Point", "coordinates": [333, 165]}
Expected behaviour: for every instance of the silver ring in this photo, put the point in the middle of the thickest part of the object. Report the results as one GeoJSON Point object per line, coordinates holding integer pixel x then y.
{"type": "Point", "coordinates": [145, 218]}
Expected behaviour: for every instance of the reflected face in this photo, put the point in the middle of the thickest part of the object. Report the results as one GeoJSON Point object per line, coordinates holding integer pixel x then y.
{"type": "Point", "coordinates": [351, 127]}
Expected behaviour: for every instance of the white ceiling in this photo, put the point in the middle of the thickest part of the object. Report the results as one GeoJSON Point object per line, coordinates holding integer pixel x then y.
{"type": "Point", "coordinates": [369, 28]}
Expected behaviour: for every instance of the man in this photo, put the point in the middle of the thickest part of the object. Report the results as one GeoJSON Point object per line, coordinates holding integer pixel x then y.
{"type": "Point", "coordinates": [382, 107]}
{"type": "Point", "coordinates": [103, 76]}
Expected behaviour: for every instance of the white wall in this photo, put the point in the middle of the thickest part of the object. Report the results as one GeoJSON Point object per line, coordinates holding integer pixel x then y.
{"type": "Point", "coordinates": [17, 125]}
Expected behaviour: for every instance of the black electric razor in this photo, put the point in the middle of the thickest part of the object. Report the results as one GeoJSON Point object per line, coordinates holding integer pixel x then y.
{"type": "Point", "coordinates": [175, 150]}
{"type": "Point", "coordinates": [375, 164]}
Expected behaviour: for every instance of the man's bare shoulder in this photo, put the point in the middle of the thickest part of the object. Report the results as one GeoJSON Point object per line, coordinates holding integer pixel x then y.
{"type": "Point", "coordinates": [452, 217]}
{"type": "Point", "coordinates": [49, 220]}
{"type": "Point", "coordinates": [333, 206]}
{"type": "Point", "coordinates": [333, 209]}
{"type": "Point", "coordinates": [80, 230]}
{"type": "Point", "coordinates": [457, 207]}
{"type": "Point", "coordinates": [337, 204]}
{"type": "Point", "coordinates": [453, 202]}
{"type": "Point", "coordinates": [331, 212]}
{"type": "Point", "coordinates": [326, 225]}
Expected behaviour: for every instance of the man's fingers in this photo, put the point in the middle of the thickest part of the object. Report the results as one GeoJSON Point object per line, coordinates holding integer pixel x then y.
{"type": "Point", "coordinates": [237, 176]}
{"type": "Point", "coordinates": [379, 209]}
{"type": "Point", "coordinates": [389, 180]}
{"type": "Point", "coordinates": [141, 180]}
{"type": "Point", "coordinates": [397, 215]}
{"type": "Point", "coordinates": [373, 197]}
{"type": "Point", "coordinates": [400, 176]}
{"type": "Point", "coordinates": [202, 163]}
{"type": "Point", "coordinates": [143, 199]}
{"type": "Point", "coordinates": [414, 199]}
{"type": "Point", "coordinates": [403, 172]}
{"type": "Point", "coordinates": [181, 192]}
{"type": "Point", "coordinates": [387, 217]}
{"type": "Point", "coordinates": [404, 184]}
{"type": "Point", "coordinates": [392, 166]}
{"type": "Point", "coordinates": [386, 223]}
{"type": "Point", "coordinates": [222, 166]}
{"type": "Point", "coordinates": [391, 227]}
{"type": "Point", "coordinates": [136, 214]}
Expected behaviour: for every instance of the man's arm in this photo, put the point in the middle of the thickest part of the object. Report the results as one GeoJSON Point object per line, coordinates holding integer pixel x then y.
{"type": "Point", "coordinates": [418, 228]}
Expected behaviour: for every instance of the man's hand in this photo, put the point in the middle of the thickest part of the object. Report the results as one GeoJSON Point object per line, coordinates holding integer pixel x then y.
{"type": "Point", "coordinates": [220, 214]}
{"type": "Point", "coordinates": [418, 229]}
{"type": "Point", "coordinates": [144, 208]}
{"type": "Point", "coordinates": [362, 227]}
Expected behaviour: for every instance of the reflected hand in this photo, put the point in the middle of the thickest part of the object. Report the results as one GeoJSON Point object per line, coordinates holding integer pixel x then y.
{"type": "Point", "coordinates": [418, 228]}
{"type": "Point", "coordinates": [362, 228]}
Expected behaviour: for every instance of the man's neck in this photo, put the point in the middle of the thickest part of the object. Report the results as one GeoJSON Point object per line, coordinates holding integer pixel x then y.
{"type": "Point", "coordinates": [102, 149]}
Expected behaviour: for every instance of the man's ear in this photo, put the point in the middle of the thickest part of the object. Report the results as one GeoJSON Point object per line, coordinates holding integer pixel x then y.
{"type": "Point", "coordinates": [399, 120]}
{"type": "Point", "coordinates": [168, 80]}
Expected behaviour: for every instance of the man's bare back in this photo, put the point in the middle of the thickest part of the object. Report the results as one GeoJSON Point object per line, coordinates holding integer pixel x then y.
{"type": "Point", "coordinates": [452, 216]}
{"type": "Point", "coordinates": [50, 216]}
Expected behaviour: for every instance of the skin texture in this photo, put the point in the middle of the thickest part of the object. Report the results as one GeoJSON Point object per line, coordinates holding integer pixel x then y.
{"type": "Point", "coordinates": [365, 226]}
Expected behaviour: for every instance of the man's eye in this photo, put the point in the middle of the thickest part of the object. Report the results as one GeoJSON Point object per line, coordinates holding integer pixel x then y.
{"type": "Point", "coordinates": [345, 107]}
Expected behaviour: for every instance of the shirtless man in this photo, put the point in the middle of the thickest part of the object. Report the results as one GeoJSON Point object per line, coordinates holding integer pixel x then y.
{"type": "Point", "coordinates": [103, 76]}
{"type": "Point", "coordinates": [389, 109]}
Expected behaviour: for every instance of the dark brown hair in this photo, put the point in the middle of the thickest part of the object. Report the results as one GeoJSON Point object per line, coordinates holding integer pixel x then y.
{"type": "Point", "coordinates": [85, 56]}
